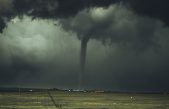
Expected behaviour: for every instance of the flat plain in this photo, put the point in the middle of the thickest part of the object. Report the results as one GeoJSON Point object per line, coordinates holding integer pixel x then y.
{"type": "Point", "coordinates": [82, 100]}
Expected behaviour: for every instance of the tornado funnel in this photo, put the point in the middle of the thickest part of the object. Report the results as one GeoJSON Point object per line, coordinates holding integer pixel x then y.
{"type": "Point", "coordinates": [84, 42]}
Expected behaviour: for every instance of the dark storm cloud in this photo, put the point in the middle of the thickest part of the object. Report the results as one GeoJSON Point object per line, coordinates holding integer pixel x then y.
{"type": "Point", "coordinates": [5, 8]}
{"type": "Point", "coordinates": [56, 8]}
{"type": "Point", "coordinates": [64, 8]}
{"type": "Point", "coordinates": [2, 24]}
{"type": "Point", "coordinates": [5, 5]}
{"type": "Point", "coordinates": [152, 8]}
{"type": "Point", "coordinates": [46, 8]}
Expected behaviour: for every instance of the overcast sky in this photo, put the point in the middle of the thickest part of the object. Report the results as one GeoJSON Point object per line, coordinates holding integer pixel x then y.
{"type": "Point", "coordinates": [127, 44]}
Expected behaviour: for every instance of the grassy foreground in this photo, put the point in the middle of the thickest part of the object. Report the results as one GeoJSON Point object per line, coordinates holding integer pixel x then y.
{"type": "Point", "coordinates": [80, 100]}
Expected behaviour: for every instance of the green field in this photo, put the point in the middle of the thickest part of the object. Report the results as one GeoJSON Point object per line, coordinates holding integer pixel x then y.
{"type": "Point", "coordinates": [80, 100]}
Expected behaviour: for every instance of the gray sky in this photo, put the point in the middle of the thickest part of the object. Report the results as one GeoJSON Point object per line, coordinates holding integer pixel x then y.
{"type": "Point", "coordinates": [127, 48]}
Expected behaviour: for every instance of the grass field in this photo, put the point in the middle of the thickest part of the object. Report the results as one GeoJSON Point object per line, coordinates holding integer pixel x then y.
{"type": "Point", "coordinates": [80, 100]}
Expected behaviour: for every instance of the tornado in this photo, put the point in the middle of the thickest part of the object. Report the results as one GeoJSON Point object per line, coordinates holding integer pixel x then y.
{"type": "Point", "coordinates": [83, 51]}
